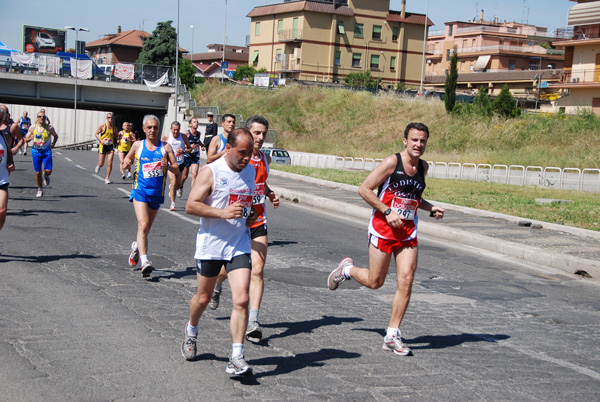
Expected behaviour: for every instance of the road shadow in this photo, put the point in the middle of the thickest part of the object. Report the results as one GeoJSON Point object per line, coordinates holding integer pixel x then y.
{"type": "Point", "coordinates": [36, 212]}
{"type": "Point", "coordinates": [171, 274]}
{"type": "Point", "coordinates": [45, 258]}
{"type": "Point", "coordinates": [305, 327]}
{"type": "Point", "coordinates": [281, 243]}
{"type": "Point", "coordinates": [441, 341]}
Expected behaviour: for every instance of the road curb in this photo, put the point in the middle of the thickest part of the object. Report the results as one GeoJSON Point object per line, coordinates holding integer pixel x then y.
{"type": "Point", "coordinates": [564, 262]}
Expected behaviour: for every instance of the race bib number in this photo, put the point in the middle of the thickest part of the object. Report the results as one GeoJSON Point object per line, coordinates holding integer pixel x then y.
{"type": "Point", "coordinates": [406, 208]}
{"type": "Point", "coordinates": [152, 170]}
{"type": "Point", "coordinates": [259, 194]}
{"type": "Point", "coordinates": [39, 144]}
{"type": "Point", "coordinates": [245, 200]}
{"type": "Point", "coordinates": [108, 141]}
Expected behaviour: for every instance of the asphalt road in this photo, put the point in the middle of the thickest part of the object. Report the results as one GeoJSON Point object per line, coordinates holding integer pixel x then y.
{"type": "Point", "coordinates": [77, 324]}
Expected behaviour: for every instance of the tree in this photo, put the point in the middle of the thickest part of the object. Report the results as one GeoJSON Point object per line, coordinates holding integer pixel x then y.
{"type": "Point", "coordinates": [159, 48]}
{"type": "Point", "coordinates": [361, 80]}
{"type": "Point", "coordinates": [504, 104]}
{"type": "Point", "coordinates": [187, 73]}
{"type": "Point", "coordinates": [481, 102]}
{"type": "Point", "coordinates": [245, 72]}
{"type": "Point", "coordinates": [451, 80]}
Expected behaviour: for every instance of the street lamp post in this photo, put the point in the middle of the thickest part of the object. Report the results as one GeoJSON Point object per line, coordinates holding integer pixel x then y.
{"type": "Point", "coordinates": [224, 41]}
{"type": "Point", "coordinates": [424, 45]}
{"type": "Point", "coordinates": [76, 75]}
{"type": "Point", "coordinates": [192, 56]}
{"type": "Point", "coordinates": [177, 62]}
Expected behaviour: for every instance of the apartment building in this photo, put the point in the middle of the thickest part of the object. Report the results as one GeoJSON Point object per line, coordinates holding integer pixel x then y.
{"type": "Point", "coordinates": [325, 40]}
{"type": "Point", "coordinates": [492, 46]}
{"type": "Point", "coordinates": [208, 64]}
{"type": "Point", "coordinates": [124, 47]}
{"type": "Point", "coordinates": [580, 79]}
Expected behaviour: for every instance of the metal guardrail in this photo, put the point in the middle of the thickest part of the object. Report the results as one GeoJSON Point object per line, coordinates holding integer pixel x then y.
{"type": "Point", "coordinates": [548, 177]}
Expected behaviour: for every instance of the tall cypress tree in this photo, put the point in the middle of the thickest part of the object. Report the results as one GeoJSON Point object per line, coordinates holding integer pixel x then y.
{"type": "Point", "coordinates": [159, 48]}
{"type": "Point", "coordinates": [451, 80]}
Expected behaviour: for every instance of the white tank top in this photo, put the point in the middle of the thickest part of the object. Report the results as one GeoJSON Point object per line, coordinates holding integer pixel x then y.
{"type": "Point", "coordinates": [4, 150]}
{"type": "Point", "coordinates": [177, 144]}
{"type": "Point", "coordinates": [224, 239]}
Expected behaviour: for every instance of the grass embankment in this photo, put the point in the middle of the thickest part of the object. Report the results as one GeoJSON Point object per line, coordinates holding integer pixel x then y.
{"type": "Point", "coordinates": [583, 212]}
{"type": "Point", "coordinates": [359, 124]}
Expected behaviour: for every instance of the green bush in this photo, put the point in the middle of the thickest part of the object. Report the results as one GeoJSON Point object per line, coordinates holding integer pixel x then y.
{"type": "Point", "coordinates": [505, 104]}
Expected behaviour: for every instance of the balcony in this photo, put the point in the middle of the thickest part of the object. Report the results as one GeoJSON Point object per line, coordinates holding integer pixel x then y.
{"type": "Point", "coordinates": [290, 35]}
{"type": "Point", "coordinates": [512, 49]}
{"type": "Point", "coordinates": [288, 64]}
{"type": "Point", "coordinates": [577, 78]}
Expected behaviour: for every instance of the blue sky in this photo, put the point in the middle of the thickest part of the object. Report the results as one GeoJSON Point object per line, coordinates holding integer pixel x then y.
{"type": "Point", "coordinates": [103, 17]}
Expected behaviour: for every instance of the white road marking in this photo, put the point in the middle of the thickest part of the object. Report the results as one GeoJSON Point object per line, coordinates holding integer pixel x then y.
{"type": "Point", "coordinates": [69, 159]}
{"type": "Point", "coordinates": [80, 167]}
{"type": "Point", "coordinates": [185, 218]}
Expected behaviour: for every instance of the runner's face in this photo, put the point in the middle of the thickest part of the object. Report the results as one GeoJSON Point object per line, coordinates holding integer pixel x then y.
{"type": "Point", "coordinates": [259, 133]}
{"type": "Point", "coordinates": [194, 124]}
{"type": "Point", "coordinates": [415, 143]}
{"type": "Point", "coordinates": [239, 157]}
{"type": "Point", "coordinates": [175, 131]}
{"type": "Point", "coordinates": [151, 129]}
{"type": "Point", "coordinates": [228, 124]}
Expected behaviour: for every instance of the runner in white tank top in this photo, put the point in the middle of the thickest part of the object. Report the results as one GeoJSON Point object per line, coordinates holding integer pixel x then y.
{"type": "Point", "coordinates": [222, 198]}
{"type": "Point", "coordinates": [180, 145]}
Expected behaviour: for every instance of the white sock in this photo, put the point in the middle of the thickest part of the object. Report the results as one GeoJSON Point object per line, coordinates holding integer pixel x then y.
{"type": "Point", "coordinates": [191, 331]}
{"type": "Point", "coordinates": [253, 314]}
{"type": "Point", "coordinates": [237, 349]}
{"type": "Point", "coordinates": [392, 332]}
{"type": "Point", "coordinates": [143, 259]}
{"type": "Point", "coordinates": [347, 271]}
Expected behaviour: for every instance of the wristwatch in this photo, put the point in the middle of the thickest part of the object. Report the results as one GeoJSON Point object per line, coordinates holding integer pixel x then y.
{"type": "Point", "coordinates": [387, 212]}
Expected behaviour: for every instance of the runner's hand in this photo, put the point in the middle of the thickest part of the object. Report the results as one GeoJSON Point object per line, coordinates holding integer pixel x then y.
{"type": "Point", "coordinates": [233, 211]}
{"type": "Point", "coordinates": [395, 220]}
{"type": "Point", "coordinates": [11, 167]}
{"type": "Point", "coordinates": [252, 218]}
{"type": "Point", "coordinates": [274, 199]}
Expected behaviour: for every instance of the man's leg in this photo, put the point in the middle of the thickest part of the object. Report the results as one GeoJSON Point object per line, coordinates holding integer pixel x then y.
{"type": "Point", "coordinates": [194, 171]}
{"type": "Point", "coordinates": [374, 276]}
{"type": "Point", "coordinates": [216, 296]}
{"type": "Point", "coordinates": [101, 158]}
{"type": "Point", "coordinates": [121, 157]}
{"type": "Point", "coordinates": [109, 161]}
{"type": "Point", "coordinates": [38, 179]}
{"type": "Point", "coordinates": [239, 280]}
{"type": "Point", "coordinates": [172, 185]}
{"type": "Point", "coordinates": [257, 284]}
{"type": "Point", "coordinates": [406, 264]}
{"type": "Point", "coordinates": [145, 217]}
{"type": "Point", "coordinates": [3, 205]}
{"type": "Point", "coordinates": [201, 298]}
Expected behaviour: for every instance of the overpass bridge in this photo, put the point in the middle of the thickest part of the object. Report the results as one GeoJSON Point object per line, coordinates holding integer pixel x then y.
{"type": "Point", "coordinates": [127, 101]}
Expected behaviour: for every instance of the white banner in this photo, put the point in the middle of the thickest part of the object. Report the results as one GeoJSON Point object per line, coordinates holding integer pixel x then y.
{"type": "Point", "coordinates": [48, 64]}
{"type": "Point", "coordinates": [22, 58]}
{"type": "Point", "coordinates": [153, 85]}
{"type": "Point", "coordinates": [124, 71]}
{"type": "Point", "coordinates": [84, 69]}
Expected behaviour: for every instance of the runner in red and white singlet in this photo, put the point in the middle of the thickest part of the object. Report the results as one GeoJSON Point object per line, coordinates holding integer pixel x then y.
{"type": "Point", "coordinates": [400, 180]}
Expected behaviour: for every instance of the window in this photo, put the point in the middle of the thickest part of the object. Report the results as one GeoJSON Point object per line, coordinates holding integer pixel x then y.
{"type": "Point", "coordinates": [278, 54]}
{"type": "Point", "coordinates": [377, 32]}
{"type": "Point", "coordinates": [374, 62]}
{"type": "Point", "coordinates": [448, 54]}
{"type": "Point", "coordinates": [511, 64]}
{"type": "Point", "coordinates": [395, 34]}
{"type": "Point", "coordinates": [356, 59]}
{"type": "Point", "coordinates": [254, 58]}
{"type": "Point", "coordinates": [279, 26]}
{"type": "Point", "coordinates": [450, 30]}
{"type": "Point", "coordinates": [358, 30]}
{"type": "Point", "coordinates": [340, 27]}
{"type": "Point", "coordinates": [393, 63]}
{"type": "Point", "coordinates": [257, 29]}
{"type": "Point", "coordinates": [338, 58]}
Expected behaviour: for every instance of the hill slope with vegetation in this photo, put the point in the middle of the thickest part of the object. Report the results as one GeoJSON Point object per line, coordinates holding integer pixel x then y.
{"type": "Point", "coordinates": [359, 124]}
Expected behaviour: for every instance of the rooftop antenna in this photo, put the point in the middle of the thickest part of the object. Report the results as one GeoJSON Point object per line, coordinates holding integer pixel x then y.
{"type": "Point", "coordinates": [525, 14]}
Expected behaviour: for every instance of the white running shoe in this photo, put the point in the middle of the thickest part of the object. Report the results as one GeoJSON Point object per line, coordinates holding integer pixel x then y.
{"type": "Point", "coordinates": [106, 181]}
{"type": "Point", "coordinates": [394, 343]}
{"type": "Point", "coordinates": [172, 208]}
{"type": "Point", "coordinates": [39, 193]}
{"type": "Point", "coordinates": [123, 176]}
{"type": "Point", "coordinates": [97, 169]}
{"type": "Point", "coordinates": [179, 193]}
{"type": "Point", "coordinates": [147, 269]}
{"type": "Point", "coordinates": [128, 175]}
{"type": "Point", "coordinates": [46, 180]}
{"type": "Point", "coordinates": [134, 256]}
{"type": "Point", "coordinates": [337, 276]}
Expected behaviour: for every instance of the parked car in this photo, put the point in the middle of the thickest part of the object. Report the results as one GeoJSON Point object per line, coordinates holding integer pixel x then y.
{"type": "Point", "coordinates": [278, 155]}
{"type": "Point", "coordinates": [43, 40]}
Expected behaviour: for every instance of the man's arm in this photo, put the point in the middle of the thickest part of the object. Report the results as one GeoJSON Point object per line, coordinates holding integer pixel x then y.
{"type": "Point", "coordinates": [203, 187]}
{"type": "Point", "coordinates": [52, 132]}
{"type": "Point", "coordinates": [170, 158]}
{"type": "Point", "coordinates": [15, 131]}
{"type": "Point", "coordinates": [98, 132]}
{"type": "Point", "coordinates": [129, 158]}
{"type": "Point", "coordinates": [374, 180]}
{"type": "Point", "coordinates": [211, 154]}
{"type": "Point", "coordinates": [272, 196]}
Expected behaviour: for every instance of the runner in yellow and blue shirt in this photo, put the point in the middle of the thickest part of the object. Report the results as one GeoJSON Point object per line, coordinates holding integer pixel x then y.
{"type": "Point", "coordinates": [152, 158]}
{"type": "Point", "coordinates": [105, 134]}
{"type": "Point", "coordinates": [41, 151]}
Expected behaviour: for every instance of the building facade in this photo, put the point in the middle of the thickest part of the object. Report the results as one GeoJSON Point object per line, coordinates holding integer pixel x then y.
{"type": "Point", "coordinates": [122, 47]}
{"type": "Point", "coordinates": [325, 40]}
{"type": "Point", "coordinates": [208, 64]}
{"type": "Point", "coordinates": [580, 79]}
